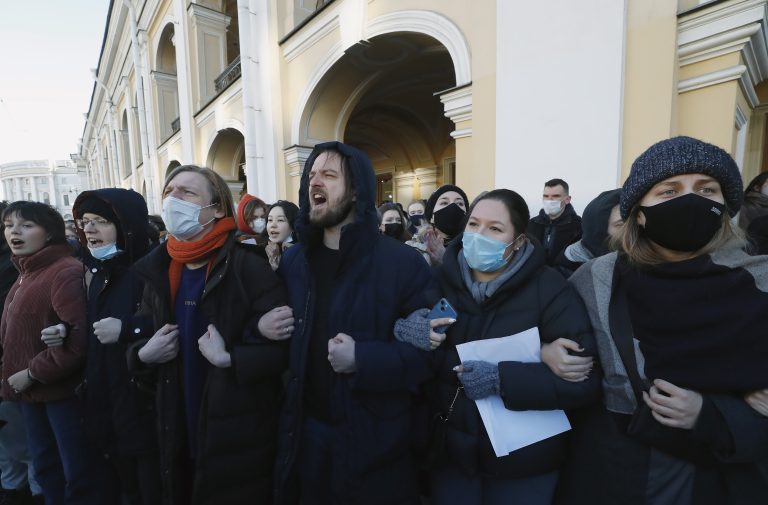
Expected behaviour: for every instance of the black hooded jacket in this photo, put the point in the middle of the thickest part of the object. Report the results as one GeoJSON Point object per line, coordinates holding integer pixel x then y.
{"type": "Point", "coordinates": [594, 224]}
{"type": "Point", "coordinates": [379, 280]}
{"type": "Point", "coordinates": [120, 417]}
{"type": "Point", "coordinates": [555, 235]}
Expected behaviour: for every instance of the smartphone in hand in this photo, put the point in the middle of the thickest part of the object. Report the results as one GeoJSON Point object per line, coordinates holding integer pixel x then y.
{"type": "Point", "coordinates": [442, 309]}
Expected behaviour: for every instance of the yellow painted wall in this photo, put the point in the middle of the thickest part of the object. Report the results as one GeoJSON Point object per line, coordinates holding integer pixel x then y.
{"type": "Point", "coordinates": [475, 156]}
{"type": "Point", "coordinates": [650, 93]}
{"type": "Point", "coordinates": [708, 113]}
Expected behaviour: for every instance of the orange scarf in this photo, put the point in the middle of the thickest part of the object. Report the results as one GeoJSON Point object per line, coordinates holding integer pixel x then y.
{"type": "Point", "coordinates": [192, 252]}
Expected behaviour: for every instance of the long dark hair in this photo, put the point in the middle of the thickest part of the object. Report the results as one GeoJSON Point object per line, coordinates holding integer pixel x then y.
{"type": "Point", "coordinates": [291, 211]}
{"type": "Point", "coordinates": [41, 214]}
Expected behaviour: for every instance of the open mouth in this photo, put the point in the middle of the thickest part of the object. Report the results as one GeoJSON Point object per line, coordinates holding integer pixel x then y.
{"type": "Point", "coordinates": [317, 199]}
{"type": "Point", "coordinates": [17, 242]}
{"type": "Point", "coordinates": [94, 242]}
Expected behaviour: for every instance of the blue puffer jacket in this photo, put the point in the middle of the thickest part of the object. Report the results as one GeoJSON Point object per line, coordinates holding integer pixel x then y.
{"type": "Point", "coordinates": [379, 281]}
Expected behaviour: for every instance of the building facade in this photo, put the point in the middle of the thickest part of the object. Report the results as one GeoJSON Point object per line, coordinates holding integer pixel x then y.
{"type": "Point", "coordinates": [488, 93]}
{"type": "Point", "coordinates": [56, 183]}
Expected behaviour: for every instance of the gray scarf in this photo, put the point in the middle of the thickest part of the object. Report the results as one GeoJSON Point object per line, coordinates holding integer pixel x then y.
{"type": "Point", "coordinates": [481, 291]}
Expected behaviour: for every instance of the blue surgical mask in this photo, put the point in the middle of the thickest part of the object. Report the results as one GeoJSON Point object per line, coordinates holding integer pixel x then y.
{"type": "Point", "coordinates": [104, 252]}
{"type": "Point", "coordinates": [484, 254]}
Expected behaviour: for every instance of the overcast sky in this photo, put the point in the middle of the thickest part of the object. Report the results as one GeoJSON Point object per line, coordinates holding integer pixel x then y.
{"type": "Point", "coordinates": [46, 50]}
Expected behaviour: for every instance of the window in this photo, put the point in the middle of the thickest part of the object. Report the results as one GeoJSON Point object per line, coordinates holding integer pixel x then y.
{"type": "Point", "coordinates": [66, 200]}
{"type": "Point", "coordinates": [46, 198]}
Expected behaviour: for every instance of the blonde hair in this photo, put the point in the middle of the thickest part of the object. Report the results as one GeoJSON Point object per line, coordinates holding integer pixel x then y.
{"type": "Point", "coordinates": [220, 193]}
{"type": "Point", "coordinates": [641, 251]}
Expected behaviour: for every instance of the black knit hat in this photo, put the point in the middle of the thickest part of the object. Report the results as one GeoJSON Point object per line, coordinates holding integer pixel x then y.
{"type": "Point", "coordinates": [95, 205]}
{"type": "Point", "coordinates": [436, 194]}
{"type": "Point", "coordinates": [677, 156]}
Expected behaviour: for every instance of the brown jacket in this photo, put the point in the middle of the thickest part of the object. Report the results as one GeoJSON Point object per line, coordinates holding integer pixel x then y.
{"type": "Point", "coordinates": [49, 291]}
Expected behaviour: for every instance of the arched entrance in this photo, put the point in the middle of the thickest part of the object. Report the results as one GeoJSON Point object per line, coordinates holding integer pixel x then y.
{"type": "Point", "coordinates": [383, 96]}
{"type": "Point", "coordinates": [227, 158]}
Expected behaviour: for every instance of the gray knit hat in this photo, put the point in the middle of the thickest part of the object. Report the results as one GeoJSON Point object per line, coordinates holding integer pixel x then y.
{"type": "Point", "coordinates": [677, 156]}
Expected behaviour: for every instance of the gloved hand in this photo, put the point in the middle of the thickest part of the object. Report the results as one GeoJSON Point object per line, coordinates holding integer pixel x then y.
{"type": "Point", "coordinates": [479, 378]}
{"type": "Point", "coordinates": [414, 329]}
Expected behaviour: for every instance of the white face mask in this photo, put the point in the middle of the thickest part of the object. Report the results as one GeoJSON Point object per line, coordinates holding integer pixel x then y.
{"type": "Point", "coordinates": [259, 224]}
{"type": "Point", "coordinates": [182, 219]}
{"type": "Point", "coordinates": [104, 252]}
{"type": "Point", "coordinates": [551, 207]}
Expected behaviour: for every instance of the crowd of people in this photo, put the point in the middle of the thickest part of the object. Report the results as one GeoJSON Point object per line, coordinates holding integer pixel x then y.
{"type": "Point", "coordinates": [311, 354]}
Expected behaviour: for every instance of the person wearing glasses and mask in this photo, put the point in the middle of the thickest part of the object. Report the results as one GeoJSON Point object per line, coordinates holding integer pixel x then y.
{"type": "Point", "coordinates": [120, 418]}
{"type": "Point", "coordinates": [218, 381]}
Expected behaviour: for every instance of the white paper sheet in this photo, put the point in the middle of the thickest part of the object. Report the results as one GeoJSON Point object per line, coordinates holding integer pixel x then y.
{"type": "Point", "coordinates": [511, 430]}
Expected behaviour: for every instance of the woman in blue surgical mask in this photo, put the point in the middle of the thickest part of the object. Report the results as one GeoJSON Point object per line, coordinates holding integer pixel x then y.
{"type": "Point", "coordinates": [499, 285]}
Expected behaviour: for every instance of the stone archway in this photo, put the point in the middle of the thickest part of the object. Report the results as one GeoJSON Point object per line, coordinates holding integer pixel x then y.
{"type": "Point", "coordinates": [384, 97]}
{"type": "Point", "coordinates": [227, 158]}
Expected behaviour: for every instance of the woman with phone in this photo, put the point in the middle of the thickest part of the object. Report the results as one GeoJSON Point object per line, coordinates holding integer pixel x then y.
{"type": "Point", "coordinates": [498, 283]}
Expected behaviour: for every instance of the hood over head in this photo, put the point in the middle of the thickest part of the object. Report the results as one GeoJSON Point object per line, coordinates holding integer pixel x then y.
{"type": "Point", "coordinates": [128, 210]}
{"type": "Point", "coordinates": [358, 236]}
{"type": "Point", "coordinates": [594, 222]}
{"type": "Point", "coordinates": [242, 225]}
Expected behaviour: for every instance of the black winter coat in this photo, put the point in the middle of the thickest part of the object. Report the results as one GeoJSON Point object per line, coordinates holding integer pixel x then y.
{"type": "Point", "coordinates": [555, 235]}
{"type": "Point", "coordinates": [121, 417]}
{"type": "Point", "coordinates": [240, 405]}
{"type": "Point", "coordinates": [380, 280]}
{"type": "Point", "coordinates": [536, 296]}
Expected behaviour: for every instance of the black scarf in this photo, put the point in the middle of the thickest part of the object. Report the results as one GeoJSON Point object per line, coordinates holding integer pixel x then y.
{"type": "Point", "coordinates": [700, 325]}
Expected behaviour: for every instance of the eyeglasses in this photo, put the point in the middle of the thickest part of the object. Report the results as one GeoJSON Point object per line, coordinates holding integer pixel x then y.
{"type": "Point", "coordinates": [98, 223]}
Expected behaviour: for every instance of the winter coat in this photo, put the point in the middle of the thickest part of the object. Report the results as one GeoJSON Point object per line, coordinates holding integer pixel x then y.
{"type": "Point", "coordinates": [240, 405]}
{"type": "Point", "coordinates": [535, 296]}
{"type": "Point", "coordinates": [8, 272]}
{"type": "Point", "coordinates": [120, 416]}
{"type": "Point", "coordinates": [724, 450]}
{"type": "Point", "coordinates": [379, 280]}
{"type": "Point", "coordinates": [555, 235]}
{"type": "Point", "coordinates": [49, 291]}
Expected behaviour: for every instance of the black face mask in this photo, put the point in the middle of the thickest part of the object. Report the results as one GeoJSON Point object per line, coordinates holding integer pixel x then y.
{"type": "Point", "coordinates": [449, 219]}
{"type": "Point", "coordinates": [394, 230]}
{"type": "Point", "coordinates": [686, 223]}
{"type": "Point", "coordinates": [416, 220]}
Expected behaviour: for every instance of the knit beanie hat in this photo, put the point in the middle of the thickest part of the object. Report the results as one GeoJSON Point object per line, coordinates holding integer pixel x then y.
{"type": "Point", "coordinates": [677, 156]}
{"type": "Point", "coordinates": [95, 205]}
{"type": "Point", "coordinates": [436, 195]}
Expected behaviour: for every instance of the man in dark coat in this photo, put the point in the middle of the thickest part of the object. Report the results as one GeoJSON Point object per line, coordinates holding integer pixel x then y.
{"type": "Point", "coordinates": [218, 382]}
{"type": "Point", "coordinates": [346, 424]}
{"type": "Point", "coordinates": [557, 226]}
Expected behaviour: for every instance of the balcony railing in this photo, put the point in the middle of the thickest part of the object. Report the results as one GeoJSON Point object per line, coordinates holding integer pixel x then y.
{"type": "Point", "coordinates": [229, 75]}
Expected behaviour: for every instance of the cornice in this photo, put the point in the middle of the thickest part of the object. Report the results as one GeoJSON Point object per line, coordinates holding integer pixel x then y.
{"type": "Point", "coordinates": [736, 26]}
{"type": "Point", "coordinates": [299, 43]}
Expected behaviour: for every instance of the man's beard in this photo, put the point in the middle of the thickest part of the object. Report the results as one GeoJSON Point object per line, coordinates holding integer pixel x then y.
{"type": "Point", "coordinates": [332, 216]}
